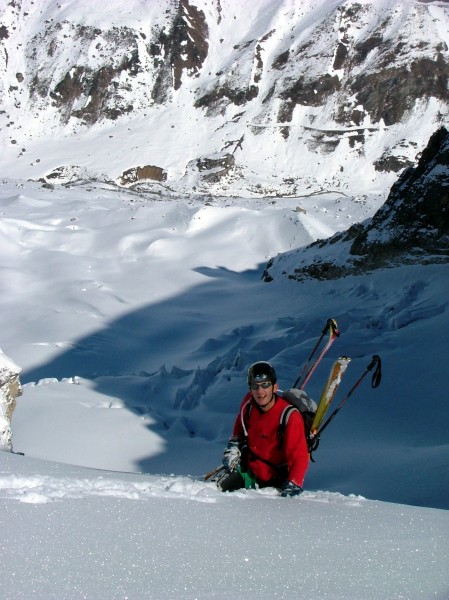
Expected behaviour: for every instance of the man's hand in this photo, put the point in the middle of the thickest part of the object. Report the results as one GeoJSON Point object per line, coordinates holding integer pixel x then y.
{"type": "Point", "coordinates": [232, 454]}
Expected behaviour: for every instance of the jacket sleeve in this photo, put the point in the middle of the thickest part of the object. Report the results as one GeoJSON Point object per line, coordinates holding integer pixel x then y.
{"type": "Point", "coordinates": [296, 452]}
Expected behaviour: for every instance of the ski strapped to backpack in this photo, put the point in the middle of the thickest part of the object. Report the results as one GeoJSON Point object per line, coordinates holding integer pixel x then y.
{"type": "Point", "coordinates": [317, 428]}
{"type": "Point", "coordinates": [312, 413]}
{"type": "Point", "coordinates": [306, 372]}
{"type": "Point", "coordinates": [375, 364]}
{"type": "Point", "coordinates": [335, 376]}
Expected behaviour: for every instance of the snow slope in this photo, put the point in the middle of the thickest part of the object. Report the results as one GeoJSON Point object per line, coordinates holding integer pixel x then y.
{"type": "Point", "coordinates": [73, 533]}
{"type": "Point", "coordinates": [134, 319]}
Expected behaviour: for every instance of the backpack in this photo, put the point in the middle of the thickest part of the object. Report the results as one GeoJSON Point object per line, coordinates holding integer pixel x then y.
{"type": "Point", "coordinates": [300, 401]}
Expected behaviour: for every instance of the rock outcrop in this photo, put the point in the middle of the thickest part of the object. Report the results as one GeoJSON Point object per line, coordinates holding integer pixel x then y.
{"type": "Point", "coordinates": [10, 388]}
{"type": "Point", "coordinates": [411, 227]}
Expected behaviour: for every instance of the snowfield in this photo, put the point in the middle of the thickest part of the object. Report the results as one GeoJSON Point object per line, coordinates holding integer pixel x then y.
{"type": "Point", "coordinates": [134, 318]}
{"type": "Point", "coordinates": [90, 534]}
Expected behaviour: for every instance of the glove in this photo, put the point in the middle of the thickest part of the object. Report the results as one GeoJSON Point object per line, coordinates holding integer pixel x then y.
{"type": "Point", "coordinates": [232, 454]}
{"type": "Point", "coordinates": [290, 489]}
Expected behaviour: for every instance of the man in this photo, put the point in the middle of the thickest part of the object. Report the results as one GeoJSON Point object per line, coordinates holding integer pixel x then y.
{"type": "Point", "coordinates": [256, 454]}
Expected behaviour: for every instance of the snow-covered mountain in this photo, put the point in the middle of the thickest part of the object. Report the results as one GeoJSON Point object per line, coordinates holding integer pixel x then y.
{"type": "Point", "coordinates": [249, 98]}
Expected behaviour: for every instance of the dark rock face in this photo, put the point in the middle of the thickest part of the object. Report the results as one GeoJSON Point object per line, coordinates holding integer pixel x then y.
{"type": "Point", "coordinates": [189, 44]}
{"type": "Point", "coordinates": [388, 93]}
{"type": "Point", "coordinates": [4, 33]}
{"type": "Point", "coordinates": [415, 218]}
{"type": "Point", "coordinates": [212, 101]}
{"type": "Point", "coordinates": [184, 49]}
{"type": "Point", "coordinates": [95, 88]}
{"type": "Point", "coordinates": [386, 90]}
{"type": "Point", "coordinates": [214, 169]}
{"type": "Point", "coordinates": [307, 93]}
{"type": "Point", "coordinates": [411, 227]}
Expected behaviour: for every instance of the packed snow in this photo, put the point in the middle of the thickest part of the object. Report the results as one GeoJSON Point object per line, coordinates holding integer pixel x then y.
{"type": "Point", "coordinates": [134, 317]}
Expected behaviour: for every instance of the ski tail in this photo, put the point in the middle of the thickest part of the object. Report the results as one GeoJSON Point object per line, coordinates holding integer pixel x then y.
{"type": "Point", "coordinates": [213, 474]}
{"type": "Point", "coordinates": [335, 376]}
{"type": "Point", "coordinates": [334, 333]}
{"type": "Point", "coordinates": [375, 364]}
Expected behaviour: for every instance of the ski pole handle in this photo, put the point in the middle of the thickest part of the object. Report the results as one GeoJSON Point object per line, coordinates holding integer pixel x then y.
{"type": "Point", "coordinates": [377, 375]}
{"type": "Point", "coordinates": [333, 335]}
{"type": "Point", "coordinates": [331, 326]}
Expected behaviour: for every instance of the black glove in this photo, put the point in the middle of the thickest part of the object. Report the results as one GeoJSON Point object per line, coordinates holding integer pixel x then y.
{"type": "Point", "coordinates": [290, 489]}
{"type": "Point", "coordinates": [232, 454]}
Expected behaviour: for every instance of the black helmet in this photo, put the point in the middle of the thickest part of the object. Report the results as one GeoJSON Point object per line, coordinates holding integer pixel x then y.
{"type": "Point", "coordinates": [261, 371]}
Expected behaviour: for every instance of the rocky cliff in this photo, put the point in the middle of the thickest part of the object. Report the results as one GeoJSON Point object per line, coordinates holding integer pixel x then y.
{"type": "Point", "coordinates": [411, 227]}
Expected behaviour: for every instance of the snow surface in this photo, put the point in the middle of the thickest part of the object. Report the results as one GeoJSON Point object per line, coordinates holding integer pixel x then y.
{"type": "Point", "coordinates": [134, 319]}
{"type": "Point", "coordinates": [73, 533]}
{"type": "Point", "coordinates": [134, 315]}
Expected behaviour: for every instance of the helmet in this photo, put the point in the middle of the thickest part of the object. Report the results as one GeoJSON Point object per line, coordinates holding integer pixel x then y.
{"type": "Point", "coordinates": [261, 371]}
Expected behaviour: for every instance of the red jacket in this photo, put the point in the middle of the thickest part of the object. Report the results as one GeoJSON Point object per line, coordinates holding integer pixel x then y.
{"type": "Point", "coordinates": [263, 441]}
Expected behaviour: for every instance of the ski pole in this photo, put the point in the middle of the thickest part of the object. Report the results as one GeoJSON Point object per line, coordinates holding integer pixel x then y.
{"type": "Point", "coordinates": [212, 473]}
{"type": "Point", "coordinates": [377, 376]}
{"type": "Point", "coordinates": [330, 323]}
{"type": "Point", "coordinates": [331, 326]}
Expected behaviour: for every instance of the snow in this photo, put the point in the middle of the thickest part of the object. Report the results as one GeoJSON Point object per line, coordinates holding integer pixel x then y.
{"type": "Point", "coordinates": [116, 536]}
{"type": "Point", "coordinates": [133, 316]}
{"type": "Point", "coordinates": [133, 319]}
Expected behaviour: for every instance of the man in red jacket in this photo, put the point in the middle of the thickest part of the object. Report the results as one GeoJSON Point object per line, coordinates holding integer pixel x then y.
{"type": "Point", "coordinates": [256, 454]}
